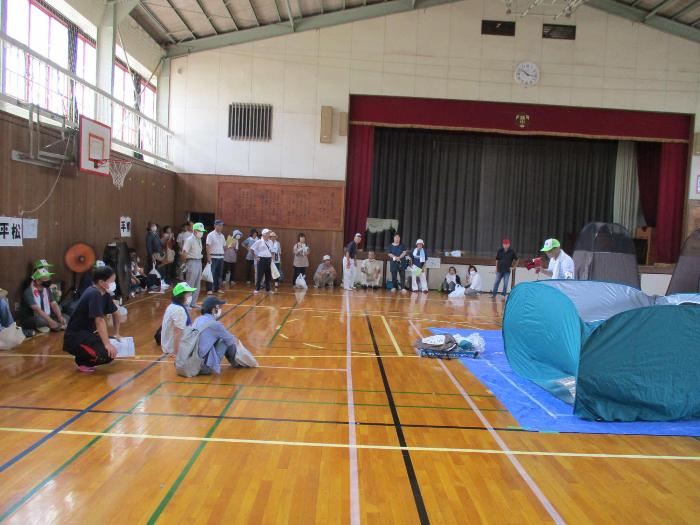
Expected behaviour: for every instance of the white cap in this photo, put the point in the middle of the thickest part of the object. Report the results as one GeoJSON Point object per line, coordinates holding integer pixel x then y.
{"type": "Point", "coordinates": [326, 257]}
{"type": "Point", "coordinates": [265, 231]}
{"type": "Point", "coordinates": [420, 241]}
{"type": "Point", "coordinates": [358, 235]}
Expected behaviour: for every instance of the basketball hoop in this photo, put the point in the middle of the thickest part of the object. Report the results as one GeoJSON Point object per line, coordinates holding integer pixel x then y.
{"type": "Point", "coordinates": [118, 169]}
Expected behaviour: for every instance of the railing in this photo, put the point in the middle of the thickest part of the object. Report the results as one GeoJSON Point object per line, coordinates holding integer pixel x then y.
{"type": "Point", "coordinates": [29, 78]}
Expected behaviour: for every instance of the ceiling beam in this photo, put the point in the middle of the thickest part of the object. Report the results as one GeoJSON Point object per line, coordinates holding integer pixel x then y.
{"type": "Point", "coordinates": [685, 10]}
{"type": "Point", "coordinates": [255, 15]}
{"type": "Point", "coordinates": [277, 9]}
{"type": "Point", "coordinates": [157, 22]}
{"type": "Point", "coordinates": [334, 18]}
{"type": "Point", "coordinates": [658, 8]}
{"type": "Point", "coordinates": [123, 10]}
{"type": "Point", "coordinates": [227, 5]}
{"type": "Point", "coordinates": [638, 15]}
{"type": "Point", "coordinates": [206, 15]}
{"type": "Point", "coordinates": [182, 19]}
{"type": "Point", "coordinates": [289, 14]}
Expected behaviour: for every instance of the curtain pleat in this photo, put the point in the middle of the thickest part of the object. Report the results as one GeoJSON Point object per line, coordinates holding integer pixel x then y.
{"type": "Point", "coordinates": [359, 178]}
{"type": "Point", "coordinates": [462, 191]}
{"type": "Point", "coordinates": [671, 201]}
{"type": "Point", "coordinates": [626, 202]}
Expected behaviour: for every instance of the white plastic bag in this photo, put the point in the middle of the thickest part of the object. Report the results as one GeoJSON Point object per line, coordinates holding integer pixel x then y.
{"type": "Point", "coordinates": [207, 275]}
{"type": "Point", "coordinates": [125, 347]}
{"type": "Point", "coordinates": [154, 271]}
{"type": "Point", "coordinates": [275, 271]}
{"type": "Point", "coordinates": [457, 292]}
{"type": "Point", "coordinates": [477, 342]}
{"type": "Point", "coordinates": [244, 357]}
{"type": "Point", "coordinates": [11, 337]}
{"type": "Point", "coordinates": [301, 282]}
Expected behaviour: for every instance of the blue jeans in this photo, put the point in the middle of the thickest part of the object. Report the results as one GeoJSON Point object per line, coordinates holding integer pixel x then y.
{"type": "Point", "coordinates": [217, 271]}
{"type": "Point", "coordinates": [5, 313]}
{"type": "Point", "coordinates": [501, 275]}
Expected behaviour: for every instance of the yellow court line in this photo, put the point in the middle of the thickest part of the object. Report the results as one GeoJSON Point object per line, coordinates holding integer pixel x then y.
{"type": "Point", "coordinates": [391, 336]}
{"type": "Point", "coordinates": [346, 445]}
{"type": "Point", "coordinates": [282, 335]}
{"type": "Point", "coordinates": [313, 346]}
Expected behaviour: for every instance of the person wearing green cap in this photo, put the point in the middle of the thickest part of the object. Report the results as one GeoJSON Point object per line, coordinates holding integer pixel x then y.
{"type": "Point", "coordinates": [39, 310]}
{"type": "Point", "coordinates": [42, 263]}
{"type": "Point", "coordinates": [561, 265]}
{"type": "Point", "coordinates": [192, 255]}
{"type": "Point", "coordinates": [175, 319]}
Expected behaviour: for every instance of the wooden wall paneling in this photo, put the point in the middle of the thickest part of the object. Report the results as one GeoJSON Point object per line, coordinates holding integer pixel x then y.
{"type": "Point", "coordinates": [84, 207]}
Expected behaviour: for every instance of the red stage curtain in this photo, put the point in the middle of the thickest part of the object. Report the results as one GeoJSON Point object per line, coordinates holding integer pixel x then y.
{"type": "Point", "coordinates": [359, 179]}
{"type": "Point", "coordinates": [648, 171]}
{"type": "Point", "coordinates": [671, 201]}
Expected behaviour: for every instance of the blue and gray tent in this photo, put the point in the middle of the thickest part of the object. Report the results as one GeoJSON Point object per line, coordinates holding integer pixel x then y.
{"type": "Point", "coordinates": [610, 350]}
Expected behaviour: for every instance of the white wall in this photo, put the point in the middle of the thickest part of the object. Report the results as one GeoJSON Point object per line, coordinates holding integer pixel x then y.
{"type": "Point", "coordinates": [437, 52]}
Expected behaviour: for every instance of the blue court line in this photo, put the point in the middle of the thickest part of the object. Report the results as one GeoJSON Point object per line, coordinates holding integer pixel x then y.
{"type": "Point", "coordinates": [73, 419]}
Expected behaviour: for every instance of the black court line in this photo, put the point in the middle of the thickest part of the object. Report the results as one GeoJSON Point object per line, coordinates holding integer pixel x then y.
{"type": "Point", "coordinates": [410, 471]}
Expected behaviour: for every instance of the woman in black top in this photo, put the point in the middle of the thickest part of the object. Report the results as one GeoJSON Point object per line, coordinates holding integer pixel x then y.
{"type": "Point", "coordinates": [397, 253]}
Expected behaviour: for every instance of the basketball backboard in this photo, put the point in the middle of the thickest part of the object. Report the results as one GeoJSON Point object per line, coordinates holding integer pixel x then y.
{"type": "Point", "coordinates": [95, 146]}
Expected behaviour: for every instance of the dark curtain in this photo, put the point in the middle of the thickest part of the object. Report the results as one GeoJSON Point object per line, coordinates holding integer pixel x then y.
{"type": "Point", "coordinates": [429, 182]}
{"type": "Point", "coordinates": [462, 191]}
{"type": "Point", "coordinates": [359, 178]}
{"type": "Point", "coordinates": [671, 201]}
{"type": "Point", "coordinates": [648, 171]}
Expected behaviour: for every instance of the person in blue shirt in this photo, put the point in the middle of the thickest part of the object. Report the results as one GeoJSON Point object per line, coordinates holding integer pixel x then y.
{"type": "Point", "coordinates": [216, 341]}
{"type": "Point", "coordinates": [397, 254]}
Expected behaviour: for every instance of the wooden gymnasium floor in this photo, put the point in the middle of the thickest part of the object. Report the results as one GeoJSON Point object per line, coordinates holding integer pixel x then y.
{"type": "Point", "coordinates": [341, 424]}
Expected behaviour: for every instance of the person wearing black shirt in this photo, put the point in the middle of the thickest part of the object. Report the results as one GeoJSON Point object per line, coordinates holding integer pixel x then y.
{"type": "Point", "coordinates": [505, 260]}
{"type": "Point", "coordinates": [86, 336]}
{"type": "Point", "coordinates": [397, 254]}
{"type": "Point", "coordinates": [349, 266]}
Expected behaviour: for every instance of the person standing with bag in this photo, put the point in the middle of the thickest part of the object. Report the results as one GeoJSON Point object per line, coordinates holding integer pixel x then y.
{"type": "Point", "coordinates": [263, 258]}
{"type": "Point", "coordinates": [192, 255]}
{"type": "Point", "coordinates": [215, 256]}
{"type": "Point", "coordinates": [301, 257]}
{"type": "Point", "coordinates": [397, 253]}
{"type": "Point", "coordinates": [276, 257]}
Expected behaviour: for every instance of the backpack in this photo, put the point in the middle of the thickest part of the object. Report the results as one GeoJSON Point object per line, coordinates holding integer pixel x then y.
{"type": "Point", "coordinates": [188, 363]}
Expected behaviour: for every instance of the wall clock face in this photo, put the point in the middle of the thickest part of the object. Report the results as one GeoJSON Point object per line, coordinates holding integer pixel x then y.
{"type": "Point", "coordinates": [527, 74]}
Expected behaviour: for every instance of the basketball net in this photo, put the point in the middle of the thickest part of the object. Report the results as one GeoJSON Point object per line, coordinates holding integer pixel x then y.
{"type": "Point", "coordinates": [118, 169]}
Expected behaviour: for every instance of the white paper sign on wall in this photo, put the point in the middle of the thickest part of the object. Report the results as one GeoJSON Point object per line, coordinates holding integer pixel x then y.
{"type": "Point", "coordinates": [10, 231]}
{"type": "Point", "coordinates": [30, 228]}
{"type": "Point", "coordinates": [125, 226]}
{"type": "Point", "coordinates": [432, 262]}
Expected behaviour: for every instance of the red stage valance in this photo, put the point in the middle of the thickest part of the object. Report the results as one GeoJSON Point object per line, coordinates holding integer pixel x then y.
{"type": "Point", "coordinates": [524, 119]}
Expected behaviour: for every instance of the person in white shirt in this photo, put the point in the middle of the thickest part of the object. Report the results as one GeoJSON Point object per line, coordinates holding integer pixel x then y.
{"type": "Point", "coordinates": [417, 272]}
{"type": "Point", "coordinates": [561, 266]}
{"type": "Point", "coordinates": [474, 280]}
{"type": "Point", "coordinates": [192, 255]}
{"type": "Point", "coordinates": [261, 250]}
{"type": "Point", "coordinates": [371, 270]}
{"type": "Point", "coordinates": [349, 263]}
{"type": "Point", "coordinates": [175, 319]}
{"type": "Point", "coordinates": [276, 251]}
{"type": "Point", "coordinates": [215, 256]}
{"type": "Point", "coordinates": [185, 231]}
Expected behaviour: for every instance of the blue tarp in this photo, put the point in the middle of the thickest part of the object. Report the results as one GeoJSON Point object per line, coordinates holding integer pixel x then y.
{"type": "Point", "coordinates": [536, 409]}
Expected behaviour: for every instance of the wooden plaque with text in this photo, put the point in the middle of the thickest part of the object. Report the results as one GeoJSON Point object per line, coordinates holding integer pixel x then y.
{"type": "Point", "coordinates": [297, 206]}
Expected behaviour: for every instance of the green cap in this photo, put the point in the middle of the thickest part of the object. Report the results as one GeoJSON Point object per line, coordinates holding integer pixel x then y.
{"type": "Point", "coordinates": [198, 226]}
{"type": "Point", "coordinates": [42, 263]}
{"type": "Point", "coordinates": [182, 288]}
{"type": "Point", "coordinates": [549, 244]}
{"type": "Point", "coordinates": [41, 273]}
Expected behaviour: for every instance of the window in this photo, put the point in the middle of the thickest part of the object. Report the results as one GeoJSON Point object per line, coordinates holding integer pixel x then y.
{"type": "Point", "coordinates": [27, 78]}
{"type": "Point", "coordinates": [85, 68]}
{"type": "Point", "coordinates": [124, 125]}
{"type": "Point", "coordinates": [147, 106]}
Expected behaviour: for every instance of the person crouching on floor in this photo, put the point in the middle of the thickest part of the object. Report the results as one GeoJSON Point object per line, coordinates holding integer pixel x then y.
{"type": "Point", "coordinates": [451, 280]}
{"type": "Point", "coordinates": [86, 336]}
{"type": "Point", "coordinates": [475, 283]}
{"type": "Point", "coordinates": [371, 270]}
{"type": "Point", "coordinates": [215, 341]}
{"type": "Point", "coordinates": [175, 319]}
{"type": "Point", "coordinates": [39, 309]}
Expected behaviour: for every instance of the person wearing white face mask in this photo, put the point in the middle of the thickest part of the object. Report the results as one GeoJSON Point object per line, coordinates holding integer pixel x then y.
{"type": "Point", "coordinates": [175, 319]}
{"type": "Point", "coordinates": [215, 341]}
{"type": "Point", "coordinates": [474, 280]}
{"type": "Point", "coordinates": [86, 336]}
{"type": "Point", "coordinates": [418, 273]}
{"type": "Point", "coordinates": [192, 255]}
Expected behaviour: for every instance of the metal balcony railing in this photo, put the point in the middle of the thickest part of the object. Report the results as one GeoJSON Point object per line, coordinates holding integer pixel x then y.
{"type": "Point", "coordinates": [27, 78]}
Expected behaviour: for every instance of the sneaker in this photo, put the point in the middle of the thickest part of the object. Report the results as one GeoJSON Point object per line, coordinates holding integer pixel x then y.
{"type": "Point", "coordinates": [209, 292]}
{"type": "Point", "coordinates": [220, 292]}
{"type": "Point", "coordinates": [403, 290]}
{"type": "Point", "coordinates": [28, 332]}
{"type": "Point", "coordinates": [393, 290]}
{"type": "Point", "coordinates": [255, 292]}
{"type": "Point", "coordinates": [44, 329]}
{"type": "Point", "coordinates": [86, 369]}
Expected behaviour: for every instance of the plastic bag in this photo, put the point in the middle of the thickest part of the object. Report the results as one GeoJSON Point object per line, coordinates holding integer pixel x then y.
{"type": "Point", "coordinates": [301, 282]}
{"type": "Point", "coordinates": [478, 343]}
{"type": "Point", "coordinates": [244, 357]}
{"type": "Point", "coordinates": [206, 274]}
{"type": "Point", "coordinates": [154, 271]}
{"type": "Point", "coordinates": [125, 347]}
{"type": "Point", "coordinates": [11, 337]}
{"type": "Point", "coordinates": [274, 271]}
{"type": "Point", "coordinates": [457, 292]}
